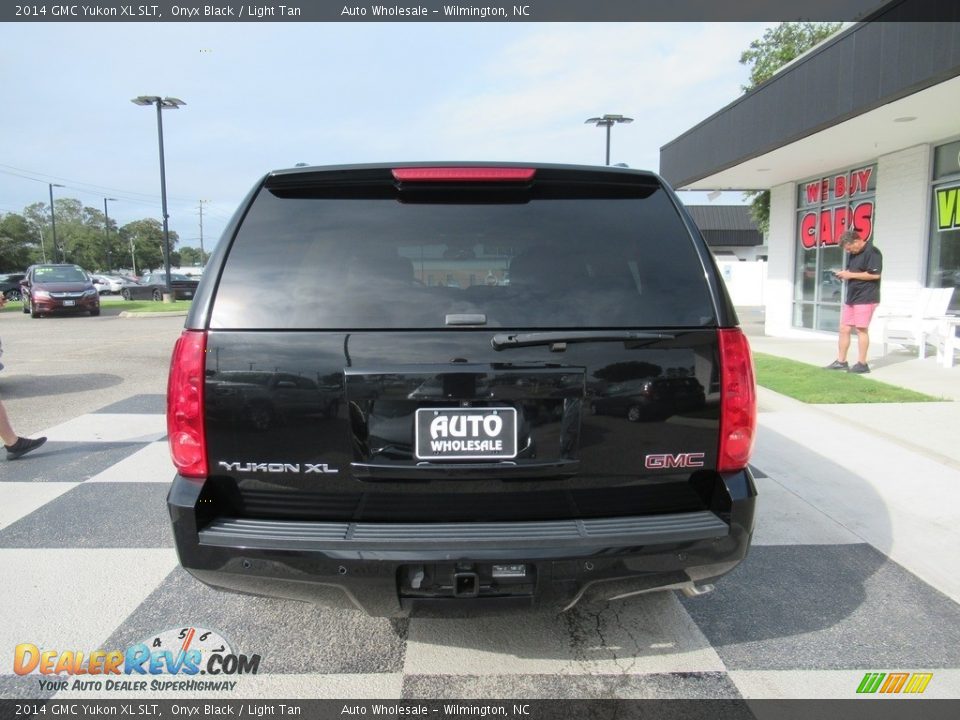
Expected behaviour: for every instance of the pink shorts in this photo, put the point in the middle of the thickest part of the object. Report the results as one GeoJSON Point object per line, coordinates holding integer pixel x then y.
{"type": "Point", "coordinates": [857, 315]}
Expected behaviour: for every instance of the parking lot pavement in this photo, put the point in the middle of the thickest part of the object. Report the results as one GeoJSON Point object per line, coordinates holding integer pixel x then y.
{"type": "Point", "coordinates": [832, 589]}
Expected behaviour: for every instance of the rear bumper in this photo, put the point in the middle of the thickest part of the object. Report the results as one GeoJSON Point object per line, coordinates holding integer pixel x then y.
{"type": "Point", "coordinates": [397, 569]}
{"type": "Point", "coordinates": [184, 293]}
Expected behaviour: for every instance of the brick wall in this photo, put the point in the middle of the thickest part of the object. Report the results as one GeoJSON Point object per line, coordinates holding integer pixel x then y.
{"type": "Point", "coordinates": [781, 259]}
{"type": "Point", "coordinates": [903, 217]}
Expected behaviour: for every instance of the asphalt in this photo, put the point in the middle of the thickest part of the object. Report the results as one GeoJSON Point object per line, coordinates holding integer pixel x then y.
{"type": "Point", "coordinates": [887, 472]}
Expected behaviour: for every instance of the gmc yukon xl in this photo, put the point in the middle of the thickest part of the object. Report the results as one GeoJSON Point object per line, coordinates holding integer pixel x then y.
{"type": "Point", "coordinates": [471, 387]}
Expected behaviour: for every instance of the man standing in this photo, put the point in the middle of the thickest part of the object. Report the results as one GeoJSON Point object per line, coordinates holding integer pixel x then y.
{"type": "Point", "coordinates": [862, 277]}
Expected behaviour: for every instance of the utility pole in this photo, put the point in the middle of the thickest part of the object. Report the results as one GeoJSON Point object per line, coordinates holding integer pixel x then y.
{"type": "Point", "coordinates": [203, 259]}
{"type": "Point", "coordinates": [53, 224]}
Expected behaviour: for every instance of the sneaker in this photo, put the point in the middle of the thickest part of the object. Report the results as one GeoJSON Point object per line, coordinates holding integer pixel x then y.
{"type": "Point", "coordinates": [837, 365]}
{"type": "Point", "coordinates": [22, 446]}
{"type": "Point", "coordinates": [860, 368]}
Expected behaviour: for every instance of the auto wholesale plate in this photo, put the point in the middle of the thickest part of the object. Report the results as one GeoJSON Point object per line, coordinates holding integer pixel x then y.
{"type": "Point", "coordinates": [466, 433]}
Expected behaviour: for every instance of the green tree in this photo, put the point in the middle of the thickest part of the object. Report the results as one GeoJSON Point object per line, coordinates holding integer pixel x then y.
{"type": "Point", "coordinates": [83, 238]}
{"type": "Point", "coordinates": [18, 248]}
{"type": "Point", "coordinates": [778, 46]}
{"type": "Point", "coordinates": [192, 257]}
{"type": "Point", "coordinates": [147, 238]}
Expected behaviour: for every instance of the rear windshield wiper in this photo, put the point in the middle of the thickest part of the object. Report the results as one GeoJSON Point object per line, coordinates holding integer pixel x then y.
{"type": "Point", "coordinates": [501, 341]}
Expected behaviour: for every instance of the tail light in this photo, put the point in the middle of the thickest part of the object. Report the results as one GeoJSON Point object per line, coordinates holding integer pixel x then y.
{"type": "Point", "coordinates": [188, 444]}
{"type": "Point", "coordinates": [738, 401]}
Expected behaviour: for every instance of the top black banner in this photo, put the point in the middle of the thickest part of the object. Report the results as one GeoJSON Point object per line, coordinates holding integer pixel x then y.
{"type": "Point", "coordinates": [483, 11]}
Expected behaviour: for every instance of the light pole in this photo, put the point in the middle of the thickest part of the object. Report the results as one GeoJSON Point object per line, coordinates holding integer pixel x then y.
{"type": "Point", "coordinates": [53, 223]}
{"type": "Point", "coordinates": [608, 121]}
{"type": "Point", "coordinates": [203, 261]}
{"type": "Point", "coordinates": [106, 230]}
{"type": "Point", "coordinates": [167, 103]}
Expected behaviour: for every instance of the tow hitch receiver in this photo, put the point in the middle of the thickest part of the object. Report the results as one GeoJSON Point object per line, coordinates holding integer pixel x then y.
{"type": "Point", "coordinates": [466, 585]}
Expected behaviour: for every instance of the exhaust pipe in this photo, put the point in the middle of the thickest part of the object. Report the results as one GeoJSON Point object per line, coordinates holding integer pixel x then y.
{"type": "Point", "coordinates": [692, 591]}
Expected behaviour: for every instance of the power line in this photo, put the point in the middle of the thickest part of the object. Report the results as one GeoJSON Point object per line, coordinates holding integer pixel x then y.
{"type": "Point", "coordinates": [77, 184]}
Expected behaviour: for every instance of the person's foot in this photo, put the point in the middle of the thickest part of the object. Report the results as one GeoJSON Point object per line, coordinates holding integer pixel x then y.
{"type": "Point", "coordinates": [860, 368]}
{"type": "Point", "coordinates": [837, 365]}
{"type": "Point", "coordinates": [22, 446]}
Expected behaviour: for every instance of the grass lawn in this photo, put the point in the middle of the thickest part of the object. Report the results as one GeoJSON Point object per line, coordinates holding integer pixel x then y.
{"type": "Point", "coordinates": [149, 306]}
{"type": "Point", "coordinates": [117, 307]}
{"type": "Point", "coordinates": [811, 384]}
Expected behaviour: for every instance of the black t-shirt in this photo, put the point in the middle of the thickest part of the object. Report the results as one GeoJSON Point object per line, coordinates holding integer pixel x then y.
{"type": "Point", "coordinates": [864, 292]}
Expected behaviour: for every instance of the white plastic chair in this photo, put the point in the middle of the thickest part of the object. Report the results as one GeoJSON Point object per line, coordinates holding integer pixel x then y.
{"type": "Point", "coordinates": [920, 325]}
{"type": "Point", "coordinates": [946, 341]}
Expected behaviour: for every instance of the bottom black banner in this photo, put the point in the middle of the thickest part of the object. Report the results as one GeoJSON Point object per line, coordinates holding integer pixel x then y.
{"type": "Point", "coordinates": [867, 709]}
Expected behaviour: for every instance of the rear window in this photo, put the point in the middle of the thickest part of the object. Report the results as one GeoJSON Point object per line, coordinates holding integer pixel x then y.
{"type": "Point", "coordinates": [374, 262]}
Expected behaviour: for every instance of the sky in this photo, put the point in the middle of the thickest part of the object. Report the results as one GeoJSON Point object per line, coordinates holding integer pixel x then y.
{"type": "Point", "coordinates": [261, 97]}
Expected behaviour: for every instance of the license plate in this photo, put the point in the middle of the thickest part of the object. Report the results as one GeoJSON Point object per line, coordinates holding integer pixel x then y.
{"type": "Point", "coordinates": [466, 433]}
{"type": "Point", "coordinates": [69, 303]}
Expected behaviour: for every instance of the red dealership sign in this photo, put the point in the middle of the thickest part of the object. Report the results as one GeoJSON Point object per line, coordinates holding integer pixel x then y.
{"type": "Point", "coordinates": [842, 205]}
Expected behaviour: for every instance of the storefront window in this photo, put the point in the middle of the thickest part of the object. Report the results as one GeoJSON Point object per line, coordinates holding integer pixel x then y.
{"type": "Point", "coordinates": [944, 256]}
{"type": "Point", "coordinates": [826, 207]}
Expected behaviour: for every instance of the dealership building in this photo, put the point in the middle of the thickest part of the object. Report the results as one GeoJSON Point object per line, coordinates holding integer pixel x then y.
{"type": "Point", "coordinates": [862, 131]}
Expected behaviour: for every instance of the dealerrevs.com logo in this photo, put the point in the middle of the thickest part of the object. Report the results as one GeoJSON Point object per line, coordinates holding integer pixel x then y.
{"type": "Point", "coordinates": [184, 653]}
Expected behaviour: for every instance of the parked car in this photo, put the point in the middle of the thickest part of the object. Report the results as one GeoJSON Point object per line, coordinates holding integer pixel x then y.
{"type": "Point", "coordinates": [152, 286]}
{"type": "Point", "coordinates": [10, 285]}
{"type": "Point", "coordinates": [460, 467]}
{"type": "Point", "coordinates": [650, 399]}
{"type": "Point", "coordinates": [111, 284]}
{"type": "Point", "coordinates": [261, 399]}
{"type": "Point", "coordinates": [831, 287]}
{"type": "Point", "coordinates": [48, 289]}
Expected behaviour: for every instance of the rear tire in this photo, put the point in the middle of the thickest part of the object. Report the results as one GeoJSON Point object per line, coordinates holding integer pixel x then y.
{"type": "Point", "coordinates": [125, 294]}
{"type": "Point", "coordinates": [157, 296]}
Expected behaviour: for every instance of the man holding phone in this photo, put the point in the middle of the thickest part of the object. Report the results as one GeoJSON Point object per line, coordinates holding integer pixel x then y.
{"type": "Point", "coordinates": [862, 278]}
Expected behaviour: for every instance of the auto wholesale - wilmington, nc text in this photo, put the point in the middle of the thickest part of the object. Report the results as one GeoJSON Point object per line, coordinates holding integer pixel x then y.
{"type": "Point", "coordinates": [502, 12]}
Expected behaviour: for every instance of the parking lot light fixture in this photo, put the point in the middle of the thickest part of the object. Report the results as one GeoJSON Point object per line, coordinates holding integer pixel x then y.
{"type": "Point", "coordinates": [167, 103]}
{"type": "Point", "coordinates": [608, 121]}
{"type": "Point", "coordinates": [53, 224]}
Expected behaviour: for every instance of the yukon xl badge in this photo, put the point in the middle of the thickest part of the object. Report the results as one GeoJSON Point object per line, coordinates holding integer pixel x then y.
{"type": "Point", "coordinates": [249, 467]}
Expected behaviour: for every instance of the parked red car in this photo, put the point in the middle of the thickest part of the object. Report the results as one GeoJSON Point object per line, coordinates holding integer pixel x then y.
{"type": "Point", "coordinates": [58, 288]}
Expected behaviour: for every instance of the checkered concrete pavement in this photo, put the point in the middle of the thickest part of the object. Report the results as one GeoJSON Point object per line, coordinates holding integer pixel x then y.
{"type": "Point", "coordinates": [87, 562]}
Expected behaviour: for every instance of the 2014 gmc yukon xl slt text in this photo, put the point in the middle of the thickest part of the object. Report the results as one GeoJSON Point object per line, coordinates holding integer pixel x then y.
{"type": "Point", "coordinates": [472, 387]}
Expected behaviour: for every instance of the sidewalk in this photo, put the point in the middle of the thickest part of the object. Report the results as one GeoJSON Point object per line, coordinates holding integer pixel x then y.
{"type": "Point", "coordinates": [885, 472]}
{"type": "Point", "coordinates": [925, 427]}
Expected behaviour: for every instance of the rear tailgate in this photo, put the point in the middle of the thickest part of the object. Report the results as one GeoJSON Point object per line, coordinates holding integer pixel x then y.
{"type": "Point", "coordinates": [401, 371]}
{"type": "Point", "coordinates": [336, 442]}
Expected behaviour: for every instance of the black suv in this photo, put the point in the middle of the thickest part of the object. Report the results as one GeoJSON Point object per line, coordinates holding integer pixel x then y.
{"type": "Point", "coordinates": [461, 331]}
